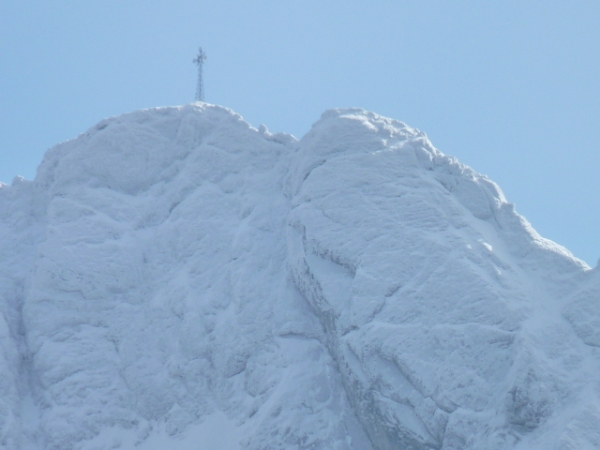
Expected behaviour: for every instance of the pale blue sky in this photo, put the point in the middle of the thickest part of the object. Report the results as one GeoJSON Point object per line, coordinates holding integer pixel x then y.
{"type": "Point", "coordinates": [508, 87]}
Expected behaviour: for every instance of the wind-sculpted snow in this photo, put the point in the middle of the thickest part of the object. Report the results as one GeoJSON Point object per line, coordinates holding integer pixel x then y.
{"type": "Point", "coordinates": [175, 272]}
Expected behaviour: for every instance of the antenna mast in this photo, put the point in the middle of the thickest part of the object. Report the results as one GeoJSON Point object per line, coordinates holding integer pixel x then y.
{"type": "Point", "coordinates": [200, 87]}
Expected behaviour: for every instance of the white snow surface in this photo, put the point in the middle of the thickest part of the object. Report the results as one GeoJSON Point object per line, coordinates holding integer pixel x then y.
{"type": "Point", "coordinates": [174, 278]}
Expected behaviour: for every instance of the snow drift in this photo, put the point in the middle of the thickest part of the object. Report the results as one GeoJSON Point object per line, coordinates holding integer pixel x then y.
{"type": "Point", "coordinates": [176, 278]}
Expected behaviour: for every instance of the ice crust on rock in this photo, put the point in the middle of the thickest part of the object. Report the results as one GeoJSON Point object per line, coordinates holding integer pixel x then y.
{"type": "Point", "coordinates": [174, 270]}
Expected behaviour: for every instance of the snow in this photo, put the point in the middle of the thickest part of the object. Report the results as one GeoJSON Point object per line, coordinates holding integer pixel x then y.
{"type": "Point", "coordinates": [175, 278]}
{"type": "Point", "coordinates": [216, 431]}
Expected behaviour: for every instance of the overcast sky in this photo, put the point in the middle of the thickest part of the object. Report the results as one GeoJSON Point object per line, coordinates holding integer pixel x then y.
{"type": "Point", "coordinates": [508, 87]}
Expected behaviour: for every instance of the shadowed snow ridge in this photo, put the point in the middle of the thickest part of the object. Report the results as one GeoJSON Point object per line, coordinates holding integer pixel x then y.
{"type": "Point", "coordinates": [174, 272]}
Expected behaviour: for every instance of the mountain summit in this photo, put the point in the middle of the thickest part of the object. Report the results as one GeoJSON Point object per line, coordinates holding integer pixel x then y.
{"type": "Point", "coordinates": [174, 278]}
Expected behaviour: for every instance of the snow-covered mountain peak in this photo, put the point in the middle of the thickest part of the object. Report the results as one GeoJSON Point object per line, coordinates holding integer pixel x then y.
{"type": "Point", "coordinates": [175, 271]}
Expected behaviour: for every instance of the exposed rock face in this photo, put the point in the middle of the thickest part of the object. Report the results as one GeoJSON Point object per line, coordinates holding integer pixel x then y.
{"type": "Point", "coordinates": [356, 289]}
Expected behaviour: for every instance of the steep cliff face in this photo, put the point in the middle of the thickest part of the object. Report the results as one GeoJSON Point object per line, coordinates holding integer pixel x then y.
{"type": "Point", "coordinates": [173, 272]}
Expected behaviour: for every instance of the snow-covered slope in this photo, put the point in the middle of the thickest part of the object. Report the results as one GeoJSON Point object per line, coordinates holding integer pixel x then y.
{"type": "Point", "coordinates": [174, 278]}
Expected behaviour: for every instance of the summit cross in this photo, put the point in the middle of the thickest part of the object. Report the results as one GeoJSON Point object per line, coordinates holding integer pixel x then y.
{"type": "Point", "coordinates": [200, 86]}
